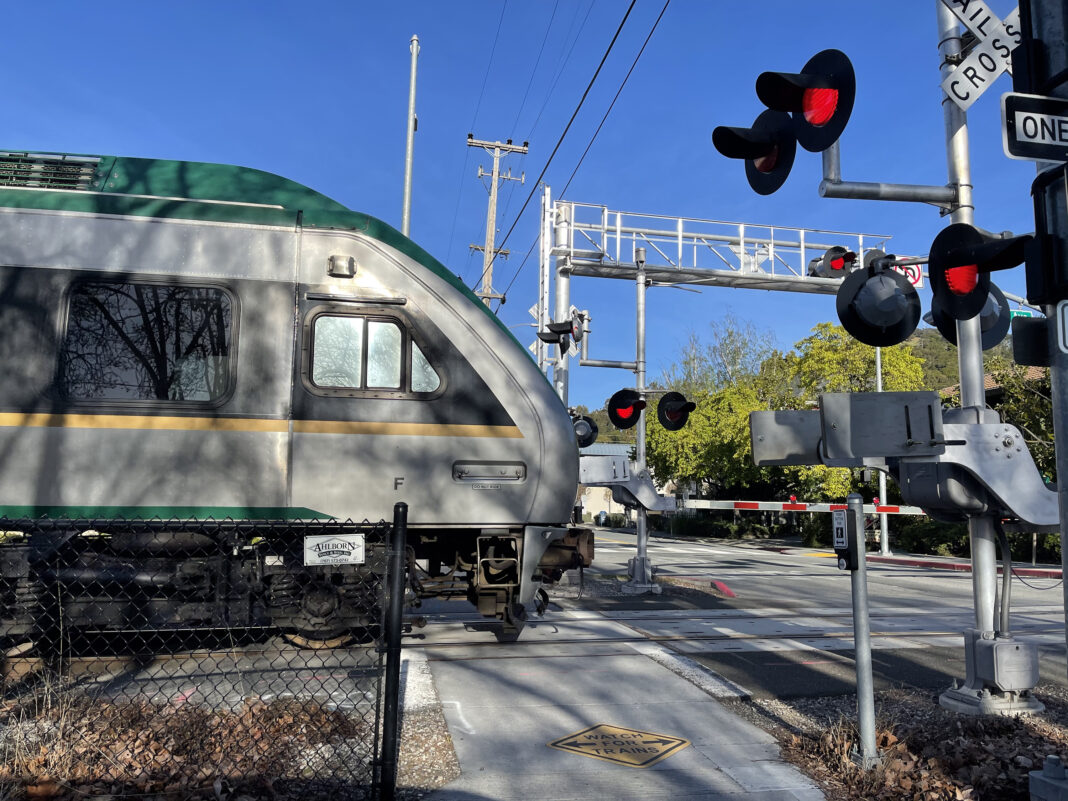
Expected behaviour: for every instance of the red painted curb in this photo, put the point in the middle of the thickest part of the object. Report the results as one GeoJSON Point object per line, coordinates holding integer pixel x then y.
{"type": "Point", "coordinates": [963, 567]}
{"type": "Point", "coordinates": [724, 589]}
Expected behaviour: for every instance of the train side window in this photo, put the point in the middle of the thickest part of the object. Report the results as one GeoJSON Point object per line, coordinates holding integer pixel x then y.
{"type": "Point", "coordinates": [144, 341]}
{"type": "Point", "coordinates": [424, 377]}
{"type": "Point", "coordinates": [351, 352]}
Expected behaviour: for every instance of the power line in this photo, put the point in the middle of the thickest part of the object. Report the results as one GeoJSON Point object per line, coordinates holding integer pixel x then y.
{"type": "Point", "coordinates": [562, 66]}
{"type": "Point", "coordinates": [594, 137]}
{"type": "Point", "coordinates": [560, 141]}
{"type": "Point", "coordinates": [474, 119]}
{"type": "Point", "coordinates": [614, 99]}
{"type": "Point", "coordinates": [534, 69]}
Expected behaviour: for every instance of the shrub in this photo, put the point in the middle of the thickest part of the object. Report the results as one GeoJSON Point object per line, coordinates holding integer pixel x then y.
{"type": "Point", "coordinates": [924, 535]}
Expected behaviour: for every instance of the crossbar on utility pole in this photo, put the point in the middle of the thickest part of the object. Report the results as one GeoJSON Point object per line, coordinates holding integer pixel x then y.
{"type": "Point", "coordinates": [489, 253]}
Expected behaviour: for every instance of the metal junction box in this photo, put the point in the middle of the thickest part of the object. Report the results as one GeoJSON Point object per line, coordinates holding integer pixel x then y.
{"type": "Point", "coordinates": [1007, 663]}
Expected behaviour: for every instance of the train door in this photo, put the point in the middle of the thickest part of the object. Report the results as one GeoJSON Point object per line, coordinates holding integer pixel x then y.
{"type": "Point", "coordinates": [363, 394]}
{"type": "Point", "coordinates": [387, 409]}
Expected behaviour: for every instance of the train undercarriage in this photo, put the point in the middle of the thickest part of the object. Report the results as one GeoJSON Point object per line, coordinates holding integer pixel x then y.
{"type": "Point", "coordinates": [63, 579]}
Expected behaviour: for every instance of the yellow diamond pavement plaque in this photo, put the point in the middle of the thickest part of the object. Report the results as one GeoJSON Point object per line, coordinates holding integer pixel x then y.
{"type": "Point", "coordinates": [636, 749]}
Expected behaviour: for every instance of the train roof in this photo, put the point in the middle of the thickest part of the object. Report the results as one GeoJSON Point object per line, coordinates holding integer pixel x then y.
{"type": "Point", "coordinates": [191, 190]}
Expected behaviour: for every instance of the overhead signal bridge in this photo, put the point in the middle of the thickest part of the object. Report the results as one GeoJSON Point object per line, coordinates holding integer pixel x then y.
{"type": "Point", "coordinates": [591, 240]}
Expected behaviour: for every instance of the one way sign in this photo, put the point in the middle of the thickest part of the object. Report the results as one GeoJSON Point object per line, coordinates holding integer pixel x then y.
{"type": "Point", "coordinates": [1035, 127]}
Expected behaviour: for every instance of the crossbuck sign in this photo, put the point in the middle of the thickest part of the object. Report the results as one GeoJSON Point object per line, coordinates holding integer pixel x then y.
{"type": "Point", "coordinates": [991, 56]}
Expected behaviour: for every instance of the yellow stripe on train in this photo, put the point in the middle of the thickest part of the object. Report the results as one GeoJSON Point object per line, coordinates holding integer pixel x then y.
{"type": "Point", "coordinates": [259, 425]}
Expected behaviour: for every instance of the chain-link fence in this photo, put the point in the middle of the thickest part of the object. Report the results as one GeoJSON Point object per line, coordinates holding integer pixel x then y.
{"type": "Point", "coordinates": [200, 658]}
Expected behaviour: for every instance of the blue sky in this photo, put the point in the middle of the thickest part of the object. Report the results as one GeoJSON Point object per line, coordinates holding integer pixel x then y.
{"type": "Point", "coordinates": [318, 92]}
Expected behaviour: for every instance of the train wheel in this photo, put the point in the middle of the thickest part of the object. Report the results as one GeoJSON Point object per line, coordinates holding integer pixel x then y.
{"type": "Point", "coordinates": [316, 644]}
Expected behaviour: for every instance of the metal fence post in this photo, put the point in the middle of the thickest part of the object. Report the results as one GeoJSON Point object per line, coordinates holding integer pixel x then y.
{"type": "Point", "coordinates": [869, 754]}
{"type": "Point", "coordinates": [394, 621]}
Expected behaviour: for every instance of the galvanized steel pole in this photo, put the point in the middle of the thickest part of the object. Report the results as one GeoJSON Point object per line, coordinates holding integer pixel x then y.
{"type": "Point", "coordinates": [640, 573]}
{"type": "Point", "coordinates": [969, 334]}
{"type": "Point", "coordinates": [406, 214]}
{"type": "Point", "coordinates": [562, 237]}
{"type": "Point", "coordinates": [869, 753]}
{"type": "Point", "coordinates": [884, 528]}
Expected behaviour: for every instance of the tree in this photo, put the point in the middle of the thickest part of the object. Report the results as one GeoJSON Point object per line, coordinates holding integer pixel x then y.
{"type": "Point", "coordinates": [715, 450]}
{"type": "Point", "coordinates": [1026, 403]}
{"type": "Point", "coordinates": [830, 360]}
{"type": "Point", "coordinates": [735, 353]}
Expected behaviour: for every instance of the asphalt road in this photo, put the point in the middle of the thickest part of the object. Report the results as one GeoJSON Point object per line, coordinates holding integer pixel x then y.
{"type": "Point", "coordinates": [787, 631]}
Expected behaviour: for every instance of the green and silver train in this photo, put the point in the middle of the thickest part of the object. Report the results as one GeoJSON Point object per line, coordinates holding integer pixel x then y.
{"type": "Point", "coordinates": [185, 340]}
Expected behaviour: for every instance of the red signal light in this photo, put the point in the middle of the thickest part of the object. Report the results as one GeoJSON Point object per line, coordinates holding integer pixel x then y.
{"type": "Point", "coordinates": [767, 162]}
{"type": "Point", "coordinates": [624, 408]}
{"type": "Point", "coordinates": [767, 147]}
{"type": "Point", "coordinates": [820, 97]}
{"type": "Point", "coordinates": [819, 105]}
{"type": "Point", "coordinates": [674, 410]}
{"type": "Point", "coordinates": [960, 261]}
{"type": "Point", "coordinates": [962, 280]}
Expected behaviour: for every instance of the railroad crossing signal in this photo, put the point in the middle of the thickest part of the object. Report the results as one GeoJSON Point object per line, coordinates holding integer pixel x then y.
{"type": "Point", "coordinates": [768, 148]}
{"type": "Point", "coordinates": [810, 108]}
{"type": "Point", "coordinates": [674, 410]}
{"type": "Point", "coordinates": [836, 263]}
{"type": "Point", "coordinates": [625, 408]}
{"type": "Point", "coordinates": [959, 264]}
{"type": "Point", "coordinates": [585, 430]}
{"type": "Point", "coordinates": [820, 97]}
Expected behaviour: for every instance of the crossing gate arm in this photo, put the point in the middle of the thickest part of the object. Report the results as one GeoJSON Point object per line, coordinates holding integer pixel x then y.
{"type": "Point", "coordinates": [784, 506]}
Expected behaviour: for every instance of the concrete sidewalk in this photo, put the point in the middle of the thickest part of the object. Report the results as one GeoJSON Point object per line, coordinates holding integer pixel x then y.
{"type": "Point", "coordinates": [503, 712]}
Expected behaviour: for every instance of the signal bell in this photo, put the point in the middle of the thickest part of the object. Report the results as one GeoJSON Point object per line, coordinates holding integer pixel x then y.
{"type": "Point", "coordinates": [674, 410]}
{"type": "Point", "coordinates": [959, 264]}
{"type": "Point", "coordinates": [768, 148]}
{"type": "Point", "coordinates": [624, 408]}
{"type": "Point", "coordinates": [878, 307]}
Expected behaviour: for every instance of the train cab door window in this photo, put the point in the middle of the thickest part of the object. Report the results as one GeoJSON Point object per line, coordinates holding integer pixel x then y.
{"type": "Point", "coordinates": [384, 355]}
{"type": "Point", "coordinates": [352, 352]}
{"type": "Point", "coordinates": [143, 341]}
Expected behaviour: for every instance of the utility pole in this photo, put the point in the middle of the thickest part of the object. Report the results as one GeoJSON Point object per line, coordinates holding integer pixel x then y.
{"type": "Point", "coordinates": [489, 252]}
{"type": "Point", "coordinates": [409, 150]}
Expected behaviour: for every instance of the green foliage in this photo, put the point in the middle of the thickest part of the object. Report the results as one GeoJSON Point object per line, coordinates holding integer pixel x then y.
{"type": "Point", "coordinates": [939, 358]}
{"type": "Point", "coordinates": [830, 360]}
{"type": "Point", "coordinates": [727, 381]}
{"type": "Point", "coordinates": [924, 535]}
{"type": "Point", "coordinates": [1024, 400]}
{"type": "Point", "coordinates": [717, 525]}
